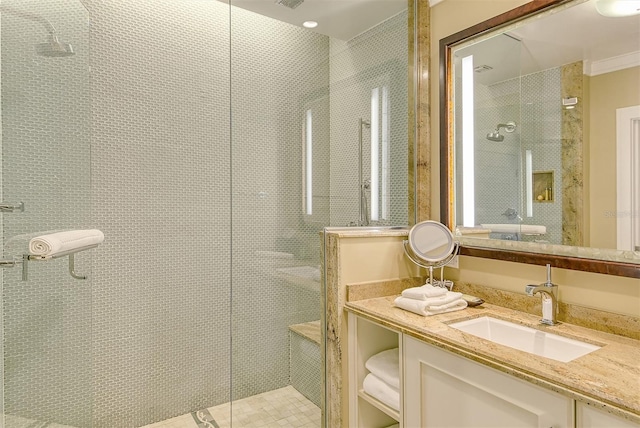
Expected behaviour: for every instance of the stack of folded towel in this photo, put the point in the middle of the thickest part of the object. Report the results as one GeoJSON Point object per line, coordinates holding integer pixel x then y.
{"type": "Point", "coordinates": [383, 380]}
{"type": "Point", "coordinates": [429, 300]}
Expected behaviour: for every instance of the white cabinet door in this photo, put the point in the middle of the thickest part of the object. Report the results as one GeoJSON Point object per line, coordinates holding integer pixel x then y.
{"type": "Point", "coordinates": [443, 389]}
{"type": "Point", "coordinates": [590, 417]}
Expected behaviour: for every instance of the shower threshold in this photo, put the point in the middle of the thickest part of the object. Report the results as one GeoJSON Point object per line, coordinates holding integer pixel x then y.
{"type": "Point", "coordinates": [284, 407]}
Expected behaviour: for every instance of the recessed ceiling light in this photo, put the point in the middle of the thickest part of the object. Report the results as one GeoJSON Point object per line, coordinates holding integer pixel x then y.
{"type": "Point", "coordinates": [309, 24]}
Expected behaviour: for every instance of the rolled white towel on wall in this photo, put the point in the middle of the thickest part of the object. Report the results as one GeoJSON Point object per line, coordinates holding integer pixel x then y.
{"type": "Point", "coordinates": [527, 229]}
{"type": "Point", "coordinates": [61, 242]}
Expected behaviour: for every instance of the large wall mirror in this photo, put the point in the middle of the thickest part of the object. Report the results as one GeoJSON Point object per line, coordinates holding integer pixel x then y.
{"type": "Point", "coordinates": [540, 136]}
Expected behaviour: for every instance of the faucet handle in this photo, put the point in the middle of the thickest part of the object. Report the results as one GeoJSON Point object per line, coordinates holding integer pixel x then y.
{"type": "Point", "coordinates": [548, 283]}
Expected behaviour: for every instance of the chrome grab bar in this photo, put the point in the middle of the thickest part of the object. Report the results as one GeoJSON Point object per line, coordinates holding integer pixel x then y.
{"type": "Point", "coordinates": [9, 208]}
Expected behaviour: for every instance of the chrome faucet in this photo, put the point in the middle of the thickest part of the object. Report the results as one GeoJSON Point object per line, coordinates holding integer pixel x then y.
{"type": "Point", "coordinates": [547, 290]}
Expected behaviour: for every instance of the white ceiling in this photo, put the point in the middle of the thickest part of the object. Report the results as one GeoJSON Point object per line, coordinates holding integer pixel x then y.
{"type": "Point", "coordinates": [341, 19]}
{"type": "Point", "coordinates": [573, 34]}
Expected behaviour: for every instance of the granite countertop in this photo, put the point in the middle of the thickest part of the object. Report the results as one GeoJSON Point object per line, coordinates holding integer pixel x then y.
{"type": "Point", "coordinates": [608, 378]}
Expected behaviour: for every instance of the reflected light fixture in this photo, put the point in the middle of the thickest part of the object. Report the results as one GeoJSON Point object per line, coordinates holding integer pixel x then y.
{"type": "Point", "coordinates": [309, 24]}
{"type": "Point", "coordinates": [617, 8]}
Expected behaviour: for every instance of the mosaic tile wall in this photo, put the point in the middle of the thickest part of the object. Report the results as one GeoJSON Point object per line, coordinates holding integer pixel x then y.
{"type": "Point", "coordinates": [541, 133]}
{"type": "Point", "coordinates": [306, 367]}
{"type": "Point", "coordinates": [533, 102]}
{"type": "Point", "coordinates": [375, 59]}
{"type": "Point", "coordinates": [47, 324]}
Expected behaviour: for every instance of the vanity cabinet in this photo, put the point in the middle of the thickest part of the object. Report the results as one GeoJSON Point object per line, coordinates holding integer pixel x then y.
{"type": "Point", "coordinates": [443, 389]}
{"type": "Point", "coordinates": [366, 339]}
{"type": "Point", "coordinates": [590, 417]}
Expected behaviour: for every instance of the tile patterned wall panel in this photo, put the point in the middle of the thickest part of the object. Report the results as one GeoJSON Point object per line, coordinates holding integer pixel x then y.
{"type": "Point", "coordinates": [161, 194]}
{"type": "Point", "coordinates": [373, 59]}
{"type": "Point", "coordinates": [306, 367]}
{"type": "Point", "coordinates": [278, 72]}
{"type": "Point", "coordinates": [534, 103]}
{"type": "Point", "coordinates": [46, 164]}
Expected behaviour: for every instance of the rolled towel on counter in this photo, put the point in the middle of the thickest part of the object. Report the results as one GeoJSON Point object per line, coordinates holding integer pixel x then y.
{"type": "Point", "coordinates": [426, 308]}
{"type": "Point", "coordinates": [381, 391]}
{"type": "Point", "coordinates": [424, 292]}
{"type": "Point", "coordinates": [61, 242]}
{"type": "Point", "coordinates": [386, 366]}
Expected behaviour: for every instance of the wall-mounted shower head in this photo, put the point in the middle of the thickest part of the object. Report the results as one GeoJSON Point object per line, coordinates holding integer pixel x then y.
{"type": "Point", "coordinates": [53, 47]}
{"type": "Point", "coordinates": [497, 136]}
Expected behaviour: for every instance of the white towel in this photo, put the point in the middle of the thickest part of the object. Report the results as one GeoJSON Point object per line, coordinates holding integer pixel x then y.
{"type": "Point", "coordinates": [55, 243]}
{"type": "Point", "coordinates": [386, 366]}
{"type": "Point", "coordinates": [424, 292]}
{"type": "Point", "coordinates": [381, 391]}
{"type": "Point", "coordinates": [426, 308]}
{"type": "Point", "coordinates": [527, 229]}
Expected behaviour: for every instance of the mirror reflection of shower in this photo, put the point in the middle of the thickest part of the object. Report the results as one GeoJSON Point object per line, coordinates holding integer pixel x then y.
{"type": "Point", "coordinates": [53, 46]}
{"type": "Point", "coordinates": [365, 185]}
{"type": "Point", "coordinates": [497, 136]}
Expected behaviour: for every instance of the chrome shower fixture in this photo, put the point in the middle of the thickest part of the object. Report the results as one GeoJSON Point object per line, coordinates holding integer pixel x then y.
{"type": "Point", "coordinates": [53, 47]}
{"type": "Point", "coordinates": [497, 136]}
{"type": "Point", "coordinates": [291, 4]}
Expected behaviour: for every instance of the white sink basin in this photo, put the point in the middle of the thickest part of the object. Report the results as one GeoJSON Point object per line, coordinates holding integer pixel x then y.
{"type": "Point", "coordinates": [526, 339]}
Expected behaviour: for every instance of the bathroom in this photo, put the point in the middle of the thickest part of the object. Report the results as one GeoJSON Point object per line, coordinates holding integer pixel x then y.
{"type": "Point", "coordinates": [186, 144]}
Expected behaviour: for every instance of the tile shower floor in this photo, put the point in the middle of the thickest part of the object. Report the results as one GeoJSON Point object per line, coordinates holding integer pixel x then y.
{"type": "Point", "coordinates": [284, 407]}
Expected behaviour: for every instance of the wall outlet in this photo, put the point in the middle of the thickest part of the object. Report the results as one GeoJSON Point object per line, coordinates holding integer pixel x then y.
{"type": "Point", "coordinates": [454, 263]}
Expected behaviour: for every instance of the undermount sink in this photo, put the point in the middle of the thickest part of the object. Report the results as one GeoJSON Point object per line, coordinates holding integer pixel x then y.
{"type": "Point", "coordinates": [525, 339]}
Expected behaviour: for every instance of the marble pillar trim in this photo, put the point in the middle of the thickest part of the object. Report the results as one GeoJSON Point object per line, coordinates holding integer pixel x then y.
{"type": "Point", "coordinates": [373, 289]}
{"type": "Point", "coordinates": [331, 321]}
{"type": "Point", "coordinates": [422, 58]}
{"type": "Point", "coordinates": [411, 120]}
{"type": "Point", "coordinates": [595, 319]}
{"type": "Point", "coordinates": [572, 157]}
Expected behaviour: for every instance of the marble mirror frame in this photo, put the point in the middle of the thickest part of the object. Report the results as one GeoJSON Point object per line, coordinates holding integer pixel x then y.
{"type": "Point", "coordinates": [576, 258]}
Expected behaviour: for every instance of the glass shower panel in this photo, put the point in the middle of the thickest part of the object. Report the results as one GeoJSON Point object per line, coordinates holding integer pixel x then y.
{"type": "Point", "coordinates": [490, 162]}
{"type": "Point", "coordinates": [299, 100]}
{"type": "Point", "coordinates": [46, 161]}
{"type": "Point", "coordinates": [280, 201]}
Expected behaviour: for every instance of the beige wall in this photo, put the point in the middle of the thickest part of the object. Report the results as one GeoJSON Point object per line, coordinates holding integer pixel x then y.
{"type": "Point", "coordinates": [608, 92]}
{"type": "Point", "coordinates": [609, 293]}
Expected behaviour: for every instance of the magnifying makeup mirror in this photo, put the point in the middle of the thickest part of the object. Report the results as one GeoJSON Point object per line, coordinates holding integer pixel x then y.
{"type": "Point", "coordinates": [430, 245]}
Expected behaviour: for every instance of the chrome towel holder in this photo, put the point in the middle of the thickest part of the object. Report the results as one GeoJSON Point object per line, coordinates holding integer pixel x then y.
{"type": "Point", "coordinates": [26, 258]}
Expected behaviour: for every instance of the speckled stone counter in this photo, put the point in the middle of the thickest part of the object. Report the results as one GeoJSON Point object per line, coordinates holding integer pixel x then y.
{"type": "Point", "coordinates": [608, 378]}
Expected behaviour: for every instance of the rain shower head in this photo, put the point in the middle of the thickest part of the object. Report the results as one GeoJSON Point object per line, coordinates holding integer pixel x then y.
{"type": "Point", "coordinates": [497, 136]}
{"type": "Point", "coordinates": [53, 47]}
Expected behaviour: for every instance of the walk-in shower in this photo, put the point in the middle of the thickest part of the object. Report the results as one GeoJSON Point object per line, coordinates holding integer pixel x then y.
{"type": "Point", "coordinates": [187, 149]}
{"type": "Point", "coordinates": [497, 136]}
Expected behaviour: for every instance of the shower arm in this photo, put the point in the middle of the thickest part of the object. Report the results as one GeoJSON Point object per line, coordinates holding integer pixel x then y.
{"type": "Point", "coordinates": [362, 220]}
{"type": "Point", "coordinates": [508, 127]}
{"type": "Point", "coordinates": [34, 17]}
